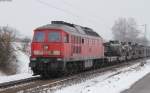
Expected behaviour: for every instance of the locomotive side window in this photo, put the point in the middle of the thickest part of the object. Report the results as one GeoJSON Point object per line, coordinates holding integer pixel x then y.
{"type": "Point", "coordinates": [66, 39]}
{"type": "Point", "coordinates": [82, 40]}
{"type": "Point", "coordinates": [39, 37]}
{"type": "Point", "coordinates": [54, 36]}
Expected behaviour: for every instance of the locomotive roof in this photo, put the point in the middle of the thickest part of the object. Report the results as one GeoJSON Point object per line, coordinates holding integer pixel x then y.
{"type": "Point", "coordinates": [70, 28]}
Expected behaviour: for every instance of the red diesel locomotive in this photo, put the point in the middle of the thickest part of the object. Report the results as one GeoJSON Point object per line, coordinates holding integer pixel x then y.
{"type": "Point", "coordinates": [64, 47]}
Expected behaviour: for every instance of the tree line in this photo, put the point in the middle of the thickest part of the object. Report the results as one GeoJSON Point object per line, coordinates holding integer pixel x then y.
{"type": "Point", "coordinates": [127, 29]}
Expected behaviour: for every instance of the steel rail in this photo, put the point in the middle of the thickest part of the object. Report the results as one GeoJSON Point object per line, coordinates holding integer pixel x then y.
{"type": "Point", "coordinates": [17, 82]}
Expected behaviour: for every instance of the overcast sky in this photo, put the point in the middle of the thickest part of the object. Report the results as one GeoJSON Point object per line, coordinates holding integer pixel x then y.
{"type": "Point", "coordinates": [26, 15]}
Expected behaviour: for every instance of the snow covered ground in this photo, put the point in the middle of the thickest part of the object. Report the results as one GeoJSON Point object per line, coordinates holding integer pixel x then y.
{"type": "Point", "coordinates": [23, 62]}
{"type": "Point", "coordinates": [2, 74]}
{"type": "Point", "coordinates": [107, 83]}
{"type": "Point", "coordinates": [15, 77]}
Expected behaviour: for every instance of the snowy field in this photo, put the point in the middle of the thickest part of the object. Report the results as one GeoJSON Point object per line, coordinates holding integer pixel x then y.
{"type": "Point", "coordinates": [14, 77]}
{"type": "Point", "coordinates": [110, 82]}
{"type": "Point", "coordinates": [23, 59]}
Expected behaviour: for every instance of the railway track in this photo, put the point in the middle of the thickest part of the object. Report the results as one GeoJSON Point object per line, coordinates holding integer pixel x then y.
{"type": "Point", "coordinates": [16, 82]}
{"type": "Point", "coordinates": [36, 85]}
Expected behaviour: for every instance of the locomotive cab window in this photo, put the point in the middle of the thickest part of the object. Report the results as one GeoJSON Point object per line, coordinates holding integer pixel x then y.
{"type": "Point", "coordinates": [39, 37]}
{"type": "Point", "coordinates": [54, 36]}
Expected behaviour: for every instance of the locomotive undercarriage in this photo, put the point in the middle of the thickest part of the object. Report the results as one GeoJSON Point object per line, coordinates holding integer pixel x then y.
{"type": "Point", "coordinates": [46, 66]}
{"type": "Point", "coordinates": [54, 68]}
{"type": "Point", "coordinates": [58, 68]}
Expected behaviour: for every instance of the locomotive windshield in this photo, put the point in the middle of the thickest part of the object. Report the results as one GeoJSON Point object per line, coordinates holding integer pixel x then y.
{"type": "Point", "coordinates": [39, 37]}
{"type": "Point", "coordinates": [54, 36]}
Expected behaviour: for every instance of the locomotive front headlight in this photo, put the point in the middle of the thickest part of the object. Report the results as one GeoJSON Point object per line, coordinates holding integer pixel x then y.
{"type": "Point", "coordinates": [33, 59]}
{"type": "Point", "coordinates": [37, 52]}
{"type": "Point", "coordinates": [54, 52]}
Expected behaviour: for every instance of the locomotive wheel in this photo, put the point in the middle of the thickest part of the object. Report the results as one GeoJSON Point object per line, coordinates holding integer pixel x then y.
{"type": "Point", "coordinates": [73, 67]}
{"type": "Point", "coordinates": [70, 68]}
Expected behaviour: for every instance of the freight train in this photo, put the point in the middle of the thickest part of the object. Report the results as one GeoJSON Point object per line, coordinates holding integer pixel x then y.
{"type": "Point", "coordinates": [62, 47]}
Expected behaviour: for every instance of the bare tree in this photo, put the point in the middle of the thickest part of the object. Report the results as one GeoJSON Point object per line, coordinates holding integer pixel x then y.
{"type": "Point", "coordinates": [125, 30]}
{"type": "Point", "coordinates": [7, 55]}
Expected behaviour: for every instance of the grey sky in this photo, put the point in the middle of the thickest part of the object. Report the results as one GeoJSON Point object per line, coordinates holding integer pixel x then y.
{"type": "Point", "coordinates": [25, 15]}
